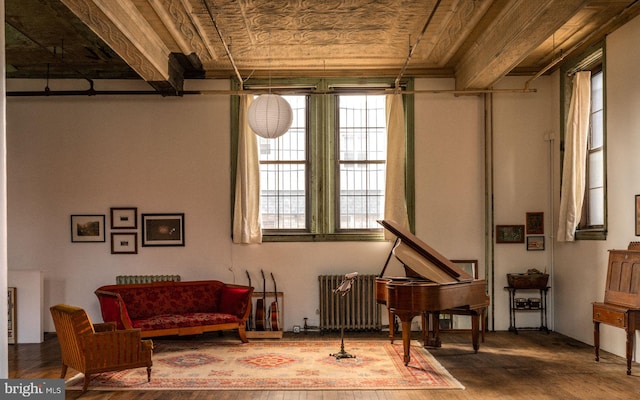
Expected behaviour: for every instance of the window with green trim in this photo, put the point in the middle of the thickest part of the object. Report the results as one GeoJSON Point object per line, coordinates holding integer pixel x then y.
{"type": "Point", "coordinates": [325, 178]}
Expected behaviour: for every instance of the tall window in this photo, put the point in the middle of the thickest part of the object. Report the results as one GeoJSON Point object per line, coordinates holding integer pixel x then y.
{"type": "Point", "coordinates": [593, 218]}
{"type": "Point", "coordinates": [325, 178]}
{"type": "Point", "coordinates": [362, 153]}
{"type": "Point", "coordinates": [283, 173]}
{"type": "Point", "coordinates": [593, 206]}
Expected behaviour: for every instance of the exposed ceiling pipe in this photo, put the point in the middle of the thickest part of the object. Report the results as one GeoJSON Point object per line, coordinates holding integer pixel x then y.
{"type": "Point", "coordinates": [224, 43]}
{"type": "Point", "coordinates": [281, 91]}
{"type": "Point", "coordinates": [412, 49]}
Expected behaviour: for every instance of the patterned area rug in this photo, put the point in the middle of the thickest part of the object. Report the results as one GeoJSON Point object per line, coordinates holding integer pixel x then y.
{"type": "Point", "coordinates": [280, 365]}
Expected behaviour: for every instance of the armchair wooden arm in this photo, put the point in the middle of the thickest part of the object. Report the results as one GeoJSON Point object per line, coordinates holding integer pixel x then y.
{"type": "Point", "coordinates": [104, 327]}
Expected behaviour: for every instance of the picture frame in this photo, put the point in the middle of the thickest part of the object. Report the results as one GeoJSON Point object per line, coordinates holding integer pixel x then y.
{"type": "Point", "coordinates": [87, 228]}
{"type": "Point", "coordinates": [535, 223]}
{"type": "Point", "coordinates": [509, 233]}
{"type": "Point", "coordinates": [12, 322]}
{"type": "Point", "coordinates": [163, 229]}
{"type": "Point", "coordinates": [535, 243]}
{"type": "Point", "coordinates": [638, 215]}
{"type": "Point", "coordinates": [124, 218]}
{"type": "Point", "coordinates": [124, 242]}
{"type": "Point", "coordinates": [469, 266]}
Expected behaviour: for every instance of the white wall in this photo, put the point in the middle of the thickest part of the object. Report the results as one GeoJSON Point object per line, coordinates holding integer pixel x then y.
{"type": "Point", "coordinates": [87, 154]}
{"type": "Point", "coordinates": [4, 365]}
{"type": "Point", "coordinates": [581, 266]}
{"type": "Point", "coordinates": [521, 158]}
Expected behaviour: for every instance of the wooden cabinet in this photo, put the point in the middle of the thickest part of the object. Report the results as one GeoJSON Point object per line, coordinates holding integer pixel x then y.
{"type": "Point", "coordinates": [621, 306]}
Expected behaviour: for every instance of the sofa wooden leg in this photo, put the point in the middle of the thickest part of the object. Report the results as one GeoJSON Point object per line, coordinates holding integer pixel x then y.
{"type": "Point", "coordinates": [242, 332]}
{"type": "Point", "coordinates": [148, 374]}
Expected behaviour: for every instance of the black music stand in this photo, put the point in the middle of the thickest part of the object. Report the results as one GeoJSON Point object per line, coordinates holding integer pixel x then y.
{"type": "Point", "coordinates": [342, 290]}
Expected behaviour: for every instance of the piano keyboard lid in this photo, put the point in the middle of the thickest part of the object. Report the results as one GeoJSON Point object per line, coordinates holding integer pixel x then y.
{"type": "Point", "coordinates": [422, 259]}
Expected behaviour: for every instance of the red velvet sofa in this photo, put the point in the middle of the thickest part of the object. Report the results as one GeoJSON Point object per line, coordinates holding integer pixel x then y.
{"type": "Point", "coordinates": [177, 308]}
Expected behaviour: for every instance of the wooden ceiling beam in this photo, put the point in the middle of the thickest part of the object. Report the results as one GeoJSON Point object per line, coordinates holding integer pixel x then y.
{"type": "Point", "coordinates": [519, 29]}
{"type": "Point", "coordinates": [120, 24]}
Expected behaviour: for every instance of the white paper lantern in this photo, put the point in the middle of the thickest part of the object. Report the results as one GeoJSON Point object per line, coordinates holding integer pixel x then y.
{"type": "Point", "coordinates": [270, 116]}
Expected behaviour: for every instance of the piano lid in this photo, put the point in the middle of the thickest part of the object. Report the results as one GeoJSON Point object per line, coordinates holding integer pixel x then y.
{"type": "Point", "coordinates": [422, 259]}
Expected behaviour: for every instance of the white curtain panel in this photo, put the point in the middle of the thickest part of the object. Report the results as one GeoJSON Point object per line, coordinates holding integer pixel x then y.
{"type": "Point", "coordinates": [247, 226]}
{"type": "Point", "coordinates": [575, 157]}
{"type": "Point", "coordinates": [395, 204]}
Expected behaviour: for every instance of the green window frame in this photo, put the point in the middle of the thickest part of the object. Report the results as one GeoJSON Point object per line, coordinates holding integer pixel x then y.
{"type": "Point", "coordinates": [322, 160]}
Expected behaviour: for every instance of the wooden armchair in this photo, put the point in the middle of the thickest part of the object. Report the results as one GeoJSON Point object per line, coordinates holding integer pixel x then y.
{"type": "Point", "coordinates": [92, 349]}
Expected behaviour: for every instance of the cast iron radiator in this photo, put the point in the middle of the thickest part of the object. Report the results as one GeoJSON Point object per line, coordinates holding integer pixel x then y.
{"type": "Point", "coordinates": [130, 279]}
{"type": "Point", "coordinates": [361, 311]}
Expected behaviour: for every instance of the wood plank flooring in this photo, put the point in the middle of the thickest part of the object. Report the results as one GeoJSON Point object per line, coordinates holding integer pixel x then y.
{"type": "Point", "coordinates": [528, 365]}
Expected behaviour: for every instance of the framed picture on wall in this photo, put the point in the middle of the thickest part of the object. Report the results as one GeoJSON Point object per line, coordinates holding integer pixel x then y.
{"type": "Point", "coordinates": [638, 215]}
{"type": "Point", "coordinates": [124, 243]}
{"type": "Point", "coordinates": [535, 223]}
{"type": "Point", "coordinates": [535, 243]}
{"type": "Point", "coordinates": [87, 228]}
{"type": "Point", "coordinates": [163, 229]}
{"type": "Point", "coordinates": [509, 233]}
{"type": "Point", "coordinates": [124, 218]}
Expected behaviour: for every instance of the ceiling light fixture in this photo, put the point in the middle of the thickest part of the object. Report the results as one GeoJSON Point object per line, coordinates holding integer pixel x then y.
{"type": "Point", "coordinates": [270, 115]}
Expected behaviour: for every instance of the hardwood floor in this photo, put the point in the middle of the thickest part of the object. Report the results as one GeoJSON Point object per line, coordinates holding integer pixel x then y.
{"type": "Point", "coordinates": [529, 365]}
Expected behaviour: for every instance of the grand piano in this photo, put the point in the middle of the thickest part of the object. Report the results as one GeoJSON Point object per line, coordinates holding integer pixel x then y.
{"type": "Point", "coordinates": [432, 284]}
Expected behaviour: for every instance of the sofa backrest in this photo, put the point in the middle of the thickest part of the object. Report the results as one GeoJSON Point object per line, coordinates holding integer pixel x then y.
{"type": "Point", "coordinates": [150, 299]}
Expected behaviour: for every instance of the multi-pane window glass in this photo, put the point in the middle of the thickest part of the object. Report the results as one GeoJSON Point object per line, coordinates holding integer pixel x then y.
{"type": "Point", "coordinates": [362, 152]}
{"type": "Point", "coordinates": [283, 173]}
{"type": "Point", "coordinates": [593, 211]}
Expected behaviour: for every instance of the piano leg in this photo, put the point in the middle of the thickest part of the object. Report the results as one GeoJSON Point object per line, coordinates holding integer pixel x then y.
{"type": "Point", "coordinates": [392, 322]}
{"type": "Point", "coordinates": [405, 319]}
{"type": "Point", "coordinates": [475, 331]}
{"type": "Point", "coordinates": [431, 329]}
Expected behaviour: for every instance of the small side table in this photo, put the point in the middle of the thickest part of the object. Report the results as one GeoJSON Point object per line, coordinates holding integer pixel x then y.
{"type": "Point", "coordinates": [513, 309]}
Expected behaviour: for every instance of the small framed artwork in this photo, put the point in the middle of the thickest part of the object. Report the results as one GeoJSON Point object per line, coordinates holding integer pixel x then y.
{"type": "Point", "coordinates": [535, 243]}
{"type": "Point", "coordinates": [163, 229]}
{"type": "Point", "coordinates": [12, 326]}
{"type": "Point", "coordinates": [535, 223]}
{"type": "Point", "coordinates": [124, 243]}
{"type": "Point", "coordinates": [124, 218]}
{"type": "Point", "coordinates": [638, 215]}
{"type": "Point", "coordinates": [87, 228]}
{"type": "Point", "coordinates": [509, 233]}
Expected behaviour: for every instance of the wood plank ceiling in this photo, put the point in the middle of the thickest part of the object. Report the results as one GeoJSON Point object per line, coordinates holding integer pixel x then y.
{"type": "Point", "coordinates": [477, 42]}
